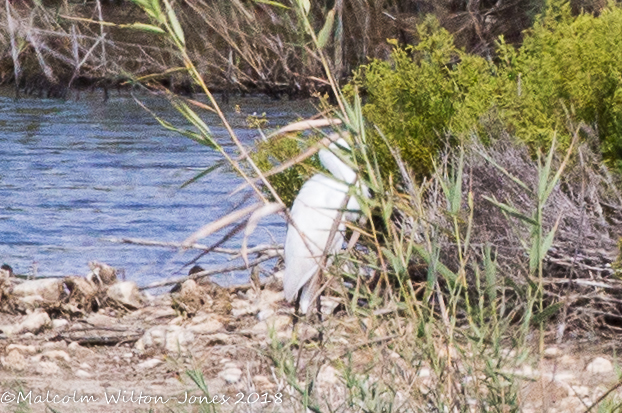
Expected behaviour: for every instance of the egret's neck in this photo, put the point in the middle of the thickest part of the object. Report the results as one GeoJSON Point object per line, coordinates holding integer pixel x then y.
{"type": "Point", "coordinates": [336, 167]}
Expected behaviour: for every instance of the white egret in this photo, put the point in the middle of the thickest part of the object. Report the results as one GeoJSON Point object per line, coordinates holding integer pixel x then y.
{"type": "Point", "coordinates": [313, 213]}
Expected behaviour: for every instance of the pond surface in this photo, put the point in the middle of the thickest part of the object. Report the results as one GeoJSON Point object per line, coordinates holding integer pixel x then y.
{"type": "Point", "coordinates": [76, 173]}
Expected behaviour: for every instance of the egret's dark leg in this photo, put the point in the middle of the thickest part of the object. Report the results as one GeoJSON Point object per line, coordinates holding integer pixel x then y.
{"type": "Point", "coordinates": [319, 316]}
{"type": "Point", "coordinates": [296, 311]}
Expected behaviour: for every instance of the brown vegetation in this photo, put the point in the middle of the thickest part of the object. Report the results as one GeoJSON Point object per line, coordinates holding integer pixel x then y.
{"type": "Point", "coordinates": [237, 46]}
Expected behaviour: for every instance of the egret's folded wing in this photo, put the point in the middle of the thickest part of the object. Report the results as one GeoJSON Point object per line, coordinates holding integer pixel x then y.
{"type": "Point", "coordinates": [315, 209]}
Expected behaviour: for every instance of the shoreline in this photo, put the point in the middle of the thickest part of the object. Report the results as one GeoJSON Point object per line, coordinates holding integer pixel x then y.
{"type": "Point", "coordinates": [149, 357]}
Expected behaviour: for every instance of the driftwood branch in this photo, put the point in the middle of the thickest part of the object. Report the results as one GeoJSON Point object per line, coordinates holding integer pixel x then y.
{"type": "Point", "coordinates": [178, 245]}
{"type": "Point", "coordinates": [609, 285]}
{"type": "Point", "coordinates": [103, 339]}
{"type": "Point", "coordinates": [211, 272]}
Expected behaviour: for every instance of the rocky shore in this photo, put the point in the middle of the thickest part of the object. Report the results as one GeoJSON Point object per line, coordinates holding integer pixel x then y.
{"type": "Point", "coordinates": [97, 344]}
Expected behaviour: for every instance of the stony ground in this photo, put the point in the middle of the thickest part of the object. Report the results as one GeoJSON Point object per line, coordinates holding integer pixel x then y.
{"type": "Point", "coordinates": [117, 360]}
{"type": "Point", "coordinates": [48, 357]}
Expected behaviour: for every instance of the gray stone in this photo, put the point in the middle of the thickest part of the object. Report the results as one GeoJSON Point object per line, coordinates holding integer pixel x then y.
{"type": "Point", "coordinates": [178, 339]}
{"type": "Point", "coordinates": [207, 327]}
{"type": "Point", "coordinates": [14, 361]}
{"type": "Point", "coordinates": [59, 323]}
{"type": "Point", "coordinates": [171, 338]}
{"type": "Point", "coordinates": [52, 355]}
{"type": "Point", "coordinates": [231, 374]}
{"type": "Point", "coordinates": [24, 349]}
{"type": "Point", "coordinates": [49, 289]}
{"type": "Point", "coordinates": [600, 365]}
{"type": "Point", "coordinates": [149, 364]}
{"type": "Point", "coordinates": [278, 323]}
{"type": "Point", "coordinates": [83, 374]}
{"type": "Point", "coordinates": [35, 323]}
{"type": "Point", "coordinates": [552, 352]}
{"type": "Point", "coordinates": [48, 368]}
{"type": "Point", "coordinates": [127, 294]}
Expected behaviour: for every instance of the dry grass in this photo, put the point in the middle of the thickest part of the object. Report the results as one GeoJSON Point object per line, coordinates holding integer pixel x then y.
{"type": "Point", "coordinates": [237, 45]}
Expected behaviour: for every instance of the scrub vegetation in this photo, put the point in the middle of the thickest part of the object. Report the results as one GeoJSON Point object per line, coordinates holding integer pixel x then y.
{"type": "Point", "coordinates": [493, 224]}
{"type": "Point", "coordinates": [494, 166]}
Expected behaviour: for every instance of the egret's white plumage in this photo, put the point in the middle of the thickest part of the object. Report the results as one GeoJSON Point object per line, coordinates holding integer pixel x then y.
{"type": "Point", "coordinates": [314, 211]}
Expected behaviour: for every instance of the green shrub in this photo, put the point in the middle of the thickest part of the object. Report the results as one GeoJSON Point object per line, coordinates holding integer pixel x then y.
{"type": "Point", "coordinates": [273, 152]}
{"type": "Point", "coordinates": [424, 91]}
{"type": "Point", "coordinates": [569, 69]}
{"type": "Point", "coordinates": [566, 71]}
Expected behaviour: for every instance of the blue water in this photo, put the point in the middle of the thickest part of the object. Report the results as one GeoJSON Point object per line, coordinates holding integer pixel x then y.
{"type": "Point", "coordinates": [75, 173]}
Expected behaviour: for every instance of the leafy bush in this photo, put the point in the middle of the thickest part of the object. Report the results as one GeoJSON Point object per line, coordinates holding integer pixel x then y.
{"type": "Point", "coordinates": [570, 69]}
{"type": "Point", "coordinates": [567, 71]}
{"type": "Point", "coordinates": [424, 91]}
{"type": "Point", "coordinates": [271, 153]}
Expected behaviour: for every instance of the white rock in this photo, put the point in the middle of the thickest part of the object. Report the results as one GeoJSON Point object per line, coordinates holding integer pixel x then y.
{"type": "Point", "coordinates": [178, 339]}
{"type": "Point", "coordinates": [208, 327]}
{"type": "Point", "coordinates": [85, 366]}
{"type": "Point", "coordinates": [177, 321]}
{"type": "Point", "coordinates": [424, 372]}
{"type": "Point", "coordinates": [6, 274]}
{"type": "Point", "coordinates": [170, 338]}
{"type": "Point", "coordinates": [571, 404]}
{"type": "Point", "coordinates": [54, 345]}
{"type": "Point", "coordinates": [242, 307]}
{"type": "Point", "coordinates": [563, 376]}
{"type": "Point", "coordinates": [149, 364]}
{"type": "Point", "coordinates": [307, 332]}
{"type": "Point", "coordinates": [231, 375]}
{"type": "Point", "coordinates": [568, 360]}
{"type": "Point", "coordinates": [126, 293]}
{"type": "Point", "coordinates": [270, 298]}
{"type": "Point", "coordinates": [61, 322]}
{"type": "Point", "coordinates": [30, 302]}
{"type": "Point", "coordinates": [22, 348]}
{"type": "Point", "coordinates": [264, 314]}
{"type": "Point", "coordinates": [101, 320]}
{"type": "Point", "coordinates": [53, 355]}
{"type": "Point", "coordinates": [153, 314]}
{"type": "Point", "coordinates": [154, 337]}
{"type": "Point", "coordinates": [600, 365]}
{"type": "Point", "coordinates": [128, 355]}
{"type": "Point", "coordinates": [48, 368]}
{"type": "Point", "coordinates": [139, 345]}
{"type": "Point", "coordinates": [552, 352]}
{"type": "Point", "coordinates": [79, 351]}
{"type": "Point", "coordinates": [581, 391]}
{"type": "Point", "coordinates": [14, 361]}
{"type": "Point", "coordinates": [50, 289]}
{"type": "Point", "coordinates": [277, 322]}
{"type": "Point", "coordinates": [102, 273]}
{"type": "Point", "coordinates": [35, 322]}
{"type": "Point", "coordinates": [217, 339]}
{"type": "Point", "coordinates": [83, 374]}
{"type": "Point", "coordinates": [327, 376]}
{"type": "Point", "coordinates": [328, 304]}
